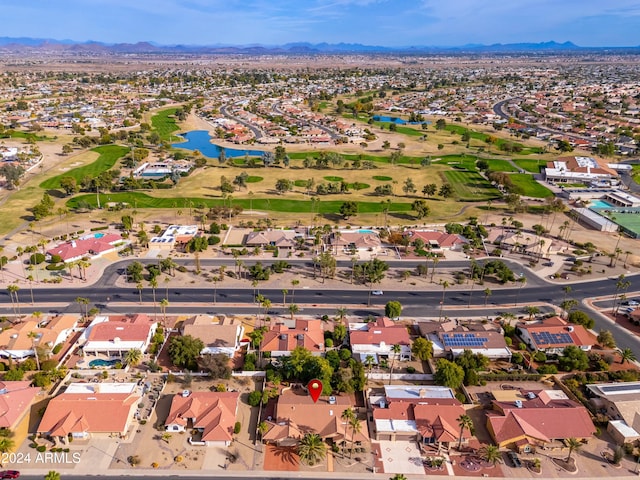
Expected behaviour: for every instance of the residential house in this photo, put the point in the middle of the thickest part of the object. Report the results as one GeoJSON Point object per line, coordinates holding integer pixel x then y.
{"type": "Point", "coordinates": [219, 334]}
{"type": "Point", "coordinates": [553, 335]}
{"type": "Point", "coordinates": [282, 239]}
{"type": "Point", "coordinates": [437, 240]}
{"type": "Point", "coordinates": [173, 237]}
{"type": "Point", "coordinates": [212, 414]}
{"type": "Point", "coordinates": [16, 399]}
{"type": "Point", "coordinates": [621, 403]}
{"type": "Point", "coordinates": [451, 338]}
{"type": "Point", "coordinates": [422, 413]}
{"type": "Point", "coordinates": [527, 420]}
{"type": "Point", "coordinates": [20, 340]}
{"type": "Point", "coordinates": [580, 170]}
{"type": "Point", "coordinates": [281, 339]}
{"type": "Point", "coordinates": [377, 339]}
{"type": "Point", "coordinates": [296, 414]}
{"type": "Point", "coordinates": [358, 241]}
{"type": "Point", "coordinates": [91, 409]}
{"type": "Point", "coordinates": [115, 335]}
{"type": "Point", "coordinates": [90, 246]}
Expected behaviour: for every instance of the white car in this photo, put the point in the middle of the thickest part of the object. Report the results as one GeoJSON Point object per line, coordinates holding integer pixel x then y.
{"type": "Point", "coordinates": [376, 292]}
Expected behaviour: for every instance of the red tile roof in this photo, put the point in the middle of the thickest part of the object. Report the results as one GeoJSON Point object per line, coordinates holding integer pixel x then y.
{"type": "Point", "coordinates": [214, 412]}
{"type": "Point", "coordinates": [383, 330]}
{"type": "Point", "coordinates": [15, 401]}
{"type": "Point", "coordinates": [556, 325]}
{"type": "Point", "coordinates": [306, 333]}
{"type": "Point", "coordinates": [127, 329]}
{"type": "Point", "coordinates": [87, 247]}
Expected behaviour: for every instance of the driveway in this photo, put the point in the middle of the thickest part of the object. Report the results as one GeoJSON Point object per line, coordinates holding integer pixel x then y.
{"type": "Point", "coordinates": [401, 457]}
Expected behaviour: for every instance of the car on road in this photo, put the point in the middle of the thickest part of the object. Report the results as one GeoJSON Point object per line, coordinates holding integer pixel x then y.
{"type": "Point", "coordinates": [630, 303]}
{"type": "Point", "coordinates": [515, 461]}
{"type": "Point", "coordinates": [547, 264]}
{"type": "Point", "coordinates": [376, 292]}
{"type": "Point", "coordinates": [9, 474]}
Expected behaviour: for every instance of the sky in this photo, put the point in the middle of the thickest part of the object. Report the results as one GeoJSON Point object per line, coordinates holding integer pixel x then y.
{"type": "Point", "coordinates": [594, 23]}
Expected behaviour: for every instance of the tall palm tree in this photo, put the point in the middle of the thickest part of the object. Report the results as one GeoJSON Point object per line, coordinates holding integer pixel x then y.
{"type": "Point", "coordinates": [487, 293]}
{"type": "Point", "coordinates": [294, 283]}
{"type": "Point", "coordinates": [491, 454]}
{"type": "Point", "coordinates": [532, 310]}
{"type": "Point", "coordinates": [464, 422]}
{"type": "Point", "coordinates": [84, 304]}
{"type": "Point", "coordinates": [133, 357]}
{"type": "Point", "coordinates": [444, 285]}
{"type": "Point", "coordinates": [347, 416]}
{"type": "Point", "coordinates": [522, 281]}
{"type": "Point", "coordinates": [293, 309]}
{"type": "Point", "coordinates": [573, 444]}
{"type": "Point", "coordinates": [140, 287]}
{"type": "Point", "coordinates": [164, 303]}
{"type": "Point", "coordinates": [312, 449]}
{"type": "Point", "coordinates": [627, 355]}
{"type": "Point", "coordinates": [34, 336]}
{"type": "Point", "coordinates": [395, 349]}
{"type": "Point", "coordinates": [369, 362]}
{"type": "Point", "coordinates": [356, 427]}
{"type": "Point", "coordinates": [284, 296]}
{"type": "Point", "coordinates": [341, 312]}
{"type": "Point", "coordinates": [30, 279]}
{"type": "Point", "coordinates": [13, 290]}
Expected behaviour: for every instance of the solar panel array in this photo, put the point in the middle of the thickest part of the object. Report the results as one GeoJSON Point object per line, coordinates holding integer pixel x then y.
{"type": "Point", "coordinates": [549, 338]}
{"type": "Point", "coordinates": [619, 388]}
{"type": "Point", "coordinates": [463, 340]}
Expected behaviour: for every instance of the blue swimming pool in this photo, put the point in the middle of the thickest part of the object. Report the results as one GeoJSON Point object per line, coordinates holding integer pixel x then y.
{"type": "Point", "coordinates": [597, 203]}
{"type": "Point", "coordinates": [98, 235]}
{"type": "Point", "coordinates": [99, 362]}
{"type": "Point", "coordinates": [365, 231]}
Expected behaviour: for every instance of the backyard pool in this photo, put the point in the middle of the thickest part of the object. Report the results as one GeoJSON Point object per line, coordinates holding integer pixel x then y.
{"type": "Point", "coordinates": [98, 235]}
{"type": "Point", "coordinates": [597, 203]}
{"type": "Point", "coordinates": [99, 362]}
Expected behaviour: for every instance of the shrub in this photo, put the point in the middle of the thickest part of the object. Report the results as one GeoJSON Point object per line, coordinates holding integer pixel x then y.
{"type": "Point", "coordinates": [255, 398]}
{"type": "Point", "coordinates": [55, 259]}
{"type": "Point", "coordinates": [41, 448]}
{"type": "Point", "coordinates": [178, 459]}
{"type": "Point", "coordinates": [213, 240]}
{"type": "Point", "coordinates": [57, 349]}
{"type": "Point", "coordinates": [508, 341]}
{"type": "Point", "coordinates": [328, 343]}
{"type": "Point", "coordinates": [411, 370]}
{"type": "Point", "coordinates": [154, 465]}
{"type": "Point", "coordinates": [237, 427]}
{"type": "Point", "coordinates": [133, 460]}
{"type": "Point", "coordinates": [55, 267]}
{"type": "Point", "coordinates": [547, 369]}
{"type": "Point", "coordinates": [36, 258]}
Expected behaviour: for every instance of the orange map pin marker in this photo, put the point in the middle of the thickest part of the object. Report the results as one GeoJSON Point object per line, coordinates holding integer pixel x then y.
{"type": "Point", "coordinates": [315, 389]}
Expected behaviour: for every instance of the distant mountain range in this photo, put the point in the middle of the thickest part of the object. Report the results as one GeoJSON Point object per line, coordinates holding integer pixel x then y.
{"type": "Point", "coordinates": [27, 44]}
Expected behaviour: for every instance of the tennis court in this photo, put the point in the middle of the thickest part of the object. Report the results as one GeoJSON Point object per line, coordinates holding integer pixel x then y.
{"type": "Point", "coordinates": [630, 221]}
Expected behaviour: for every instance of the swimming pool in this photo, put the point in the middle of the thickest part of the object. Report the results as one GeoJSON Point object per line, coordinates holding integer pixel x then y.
{"type": "Point", "coordinates": [98, 235]}
{"type": "Point", "coordinates": [99, 362]}
{"type": "Point", "coordinates": [597, 203]}
{"type": "Point", "coordinates": [365, 231]}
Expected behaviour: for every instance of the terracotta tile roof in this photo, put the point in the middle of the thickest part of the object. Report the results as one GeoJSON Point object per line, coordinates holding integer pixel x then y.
{"type": "Point", "coordinates": [306, 333]}
{"type": "Point", "coordinates": [383, 330]}
{"type": "Point", "coordinates": [358, 239]}
{"type": "Point", "coordinates": [15, 401]}
{"type": "Point", "coordinates": [214, 412]}
{"type": "Point", "coordinates": [17, 336]}
{"type": "Point", "coordinates": [441, 239]}
{"type": "Point", "coordinates": [87, 247]}
{"type": "Point", "coordinates": [556, 327]}
{"type": "Point", "coordinates": [88, 412]}
{"type": "Point", "coordinates": [125, 328]}
{"type": "Point", "coordinates": [279, 238]}
{"type": "Point", "coordinates": [298, 413]}
{"type": "Point", "coordinates": [543, 418]}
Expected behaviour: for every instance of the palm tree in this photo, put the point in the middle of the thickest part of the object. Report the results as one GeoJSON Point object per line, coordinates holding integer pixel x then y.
{"type": "Point", "coordinates": [356, 427]}
{"type": "Point", "coordinates": [140, 287]}
{"type": "Point", "coordinates": [341, 312]}
{"type": "Point", "coordinates": [84, 301]}
{"type": "Point", "coordinates": [491, 454]}
{"type": "Point", "coordinates": [395, 349]}
{"type": "Point", "coordinates": [522, 281]}
{"type": "Point", "coordinates": [347, 416]}
{"type": "Point", "coordinates": [294, 283]}
{"type": "Point", "coordinates": [30, 279]}
{"type": "Point", "coordinates": [464, 422]}
{"type": "Point", "coordinates": [6, 444]}
{"type": "Point", "coordinates": [369, 362]}
{"type": "Point", "coordinates": [627, 355]}
{"type": "Point", "coordinates": [293, 309]}
{"type": "Point", "coordinates": [573, 444]}
{"type": "Point", "coordinates": [52, 475]}
{"type": "Point", "coordinates": [532, 310]}
{"type": "Point", "coordinates": [487, 293]}
{"type": "Point", "coordinates": [444, 285]}
{"type": "Point", "coordinates": [34, 336]}
{"type": "Point", "coordinates": [15, 300]}
{"type": "Point", "coordinates": [311, 449]}
{"type": "Point", "coordinates": [398, 476]}
{"type": "Point", "coordinates": [263, 427]}
{"type": "Point", "coordinates": [164, 303]}
{"type": "Point", "coordinates": [133, 357]}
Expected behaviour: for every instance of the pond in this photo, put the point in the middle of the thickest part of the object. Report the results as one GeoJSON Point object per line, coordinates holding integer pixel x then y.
{"type": "Point", "coordinates": [396, 120]}
{"type": "Point", "coordinates": [201, 140]}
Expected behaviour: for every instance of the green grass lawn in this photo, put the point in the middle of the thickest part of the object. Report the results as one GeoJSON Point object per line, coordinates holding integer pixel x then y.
{"type": "Point", "coordinates": [404, 130]}
{"type": "Point", "coordinates": [497, 165]}
{"type": "Point", "coordinates": [362, 158]}
{"type": "Point", "coordinates": [109, 155]}
{"type": "Point", "coordinates": [142, 200]}
{"type": "Point", "coordinates": [530, 164]}
{"type": "Point", "coordinates": [333, 178]}
{"type": "Point", "coordinates": [529, 187]}
{"type": "Point", "coordinates": [164, 123]}
{"type": "Point", "coordinates": [471, 186]}
{"type": "Point", "coordinates": [25, 135]}
{"type": "Point", "coordinates": [254, 179]}
{"type": "Point", "coordinates": [382, 178]}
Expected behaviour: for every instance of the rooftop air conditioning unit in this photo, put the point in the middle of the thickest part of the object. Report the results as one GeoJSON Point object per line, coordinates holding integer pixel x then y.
{"type": "Point", "coordinates": [186, 393]}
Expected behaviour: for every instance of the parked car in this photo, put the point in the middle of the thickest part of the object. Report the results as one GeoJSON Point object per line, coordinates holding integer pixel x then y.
{"type": "Point", "coordinates": [376, 292]}
{"type": "Point", "coordinates": [515, 461]}
{"type": "Point", "coordinates": [631, 303]}
{"type": "Point", "coordinates": [9, 474]}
